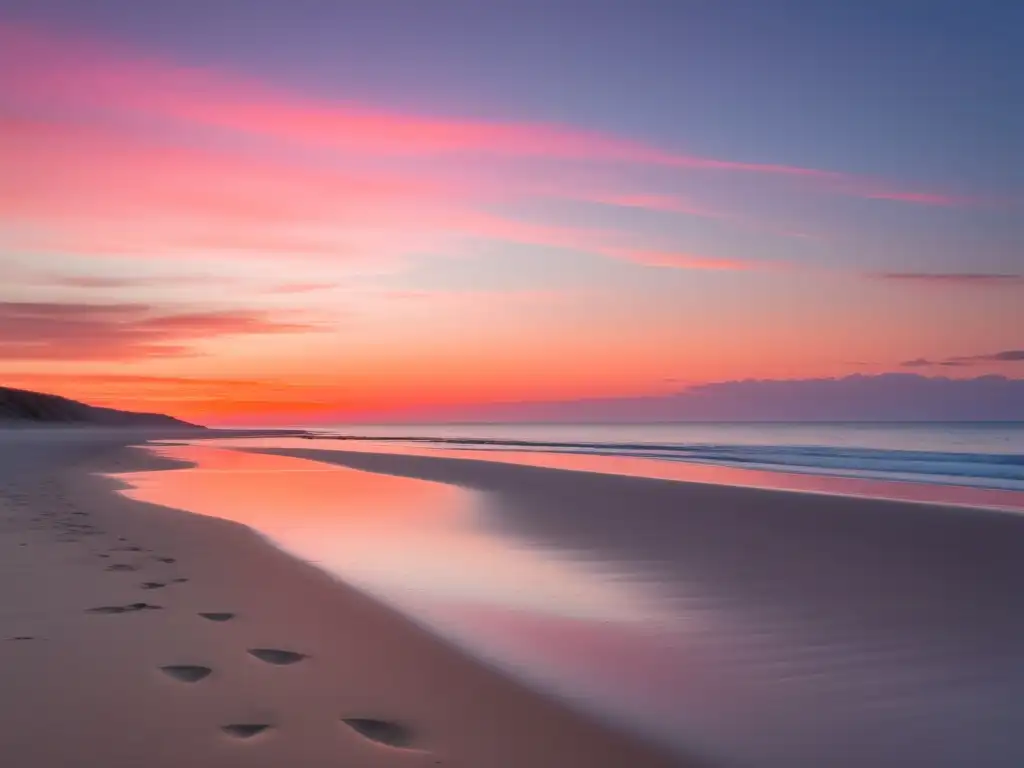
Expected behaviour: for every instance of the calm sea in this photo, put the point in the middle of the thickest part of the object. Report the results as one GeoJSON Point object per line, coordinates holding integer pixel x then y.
{"type": "Point", "coordinates": [978, 454]}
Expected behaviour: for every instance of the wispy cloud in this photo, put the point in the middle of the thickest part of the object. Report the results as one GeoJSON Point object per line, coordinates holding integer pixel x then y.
{"type": "Point", "coordinates": [922, 362]}
{"type": "Point", "coordinates": [920, 198]}
{"type": "Point", "coordinates": [663, 203]}
{"type": "Point", "coordinates": [92, 187]}
{"type": "Point", "coordinates": [68, 188]}
{"type": "Point", "coordinates": [489, 296]}
{"type": "Point", "coordinates": [123, 332]}
{"type": "Point", "coordinates": [673, 260]}
{"type": "Point", "coordinates": [1010, 355]}
{"type": "Point", "coordinates": [952, 278]}
{"type": "Point", "coordinates": [159, 201]}
{"type": "Point", "coordinates": [290, 288]}
{"type": "Point", "coordinates": [45, 67]}
{"type": "Point", "coordinates": [1006, 356]}
{"type": "Point", "coordinates": [26, 278]}
{"type": "Point", "coordinates": [99, 281]}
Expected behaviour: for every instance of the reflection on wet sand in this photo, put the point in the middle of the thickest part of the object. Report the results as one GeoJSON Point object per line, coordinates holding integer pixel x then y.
{"type": "Point", "coordinates": [685, 471]}
{"type": "Point", "coordinates": [568, 622]}
{"type": "Point", "coordinates": [774, 629]}
{"type": "Point", "coordinates": [393, 536]}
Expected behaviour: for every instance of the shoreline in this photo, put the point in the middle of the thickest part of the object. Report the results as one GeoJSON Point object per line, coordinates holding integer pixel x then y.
{"type": "Point", "coordinates": [882, 599]}
{"type": "Point", "coordinates": [929, 582]}
{"type": "Point", "coordinates": [921, 490]}
{"type": "Point", "coordinates": [95, 677]}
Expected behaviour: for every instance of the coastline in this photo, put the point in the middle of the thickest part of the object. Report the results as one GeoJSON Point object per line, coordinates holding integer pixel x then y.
{"type": "Point", "coordinates": [89, 683]}
{"type": "Point", "coordinates": [881, 599]}
{"type": "Point", "coordinates": [858, 631]}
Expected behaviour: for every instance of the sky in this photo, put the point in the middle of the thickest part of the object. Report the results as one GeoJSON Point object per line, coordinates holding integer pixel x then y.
{"type": "Point", "coordinates": [316, 211]}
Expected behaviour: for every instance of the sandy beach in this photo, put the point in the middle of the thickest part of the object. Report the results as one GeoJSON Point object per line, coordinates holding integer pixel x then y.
{"type": "Point", "coordinates": [132, 635]}
{"type": "Point", "coordinates": [838, 630]}
{"type": "Point", "coordinates": [813, 628]}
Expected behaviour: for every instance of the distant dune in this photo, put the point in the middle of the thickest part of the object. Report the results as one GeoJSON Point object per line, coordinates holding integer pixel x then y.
{"type": "Point", "coordinates": [19, 407]}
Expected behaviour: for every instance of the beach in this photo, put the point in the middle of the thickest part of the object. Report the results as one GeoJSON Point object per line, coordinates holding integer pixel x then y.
{"type": "Point", "coordinates": [102, 637]}
{"type": "Point", "coordinates": [619, 620]}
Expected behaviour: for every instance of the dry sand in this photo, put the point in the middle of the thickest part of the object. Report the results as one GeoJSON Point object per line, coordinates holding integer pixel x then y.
{"type": "Point", "coordinates": [139, 636]}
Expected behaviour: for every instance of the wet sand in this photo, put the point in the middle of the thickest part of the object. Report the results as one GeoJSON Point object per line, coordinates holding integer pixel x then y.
{"type": "Point", "coordinates": [133, 634]}
{"type": "Point", "coordinates": [841, 631]}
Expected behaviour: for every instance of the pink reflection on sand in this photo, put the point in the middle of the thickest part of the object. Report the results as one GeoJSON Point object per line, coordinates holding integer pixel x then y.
{"type": "Point", "coordinates": [635, 663]}
{"type": "Point", "coordinates": [410, 542]}
{"type": "Point", "coordinates": [584, 633]}
{"type": "Point", "coordinates": [675, 470]}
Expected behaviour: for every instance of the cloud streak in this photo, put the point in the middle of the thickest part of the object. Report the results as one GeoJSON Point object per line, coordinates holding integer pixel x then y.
{"type": "Point", "coordinates": [1006, 356]}
{"type": "Point", "coordinates": [105, 282]}
{"type": "Point", "coordinates": [122, 332]}
{"type": "Point", "coordinates": [673, 260]}
{"type": "Point", "coordinates": [159, 201]}
{"type": "Point", "coordinates": [952, 278]}
{"type": "Point", "coordinates": [81, 185]}
{"type": "Point", "coordinates": [293, 288]}
{"type": "Point", "coordinates": [79, 72]}
{"type": "Point", "coordinates": [65, 187]}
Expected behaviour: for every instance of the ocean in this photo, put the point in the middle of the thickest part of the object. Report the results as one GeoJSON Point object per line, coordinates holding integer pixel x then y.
{"type": "Point", "coordinates": [974, 454]}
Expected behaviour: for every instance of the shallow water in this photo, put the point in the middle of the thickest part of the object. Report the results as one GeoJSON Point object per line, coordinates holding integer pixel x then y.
{"type": "Point", "coordinates": [982, 454]}
{"type": "Point", "coordinates": [774, 655]}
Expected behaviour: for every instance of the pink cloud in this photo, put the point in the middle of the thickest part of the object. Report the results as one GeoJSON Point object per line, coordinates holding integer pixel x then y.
{"type": "Point", "coordinates": [122, 332]}
{"type": "Point", "coordinates": [53, 69]}
{"type": "Point", "coordinates": [611, 244]}
{"type": "Point", "coordinates": [91, 281]}
{"type": "Point", "coordinates": [924, 198]}
{"type": "Point", "coordinates": [673, 260]}
{"type": "Point", "coordinates": [665, 203]}
{"type": "Point", "coordinates": [88, 191]}
{"type": "Point", "coordinates": [953, 278]}
{"type": "Point", "coordinates": [476, 295]}
{"type": "Point", "coordinates": [82, 71]}
{"type": "Point", "coordinates": [66, 188]}
{"type": "Point", "coordinates": [290, 288]}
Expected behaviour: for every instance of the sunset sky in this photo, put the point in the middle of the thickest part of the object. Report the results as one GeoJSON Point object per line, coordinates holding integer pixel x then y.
{"type": "Point", "coordinates": [319, 210]}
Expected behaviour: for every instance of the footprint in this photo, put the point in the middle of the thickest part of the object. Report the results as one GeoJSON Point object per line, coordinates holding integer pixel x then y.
{"type": "Point", "coordinates": [20, 637]}
{"type": "Point", "coordinates": [385, 731]}
{"type": "Point", "coordinates": [187, 673]}
{"type": "Point", "coordinates": [244, 730]}
{"type": "Point", "coordinates": [153, 585]}
{"type": "Point", "coordinates": [131, 607]}
{"type": "Point", "coordinates": [121, 567]}
{"type": "Point", "coordinates": [275, 656]}
{"type": "Point", "coordinates": [218, 616]}
{"type": "Point", "coordinates": [167, 560]}
{"type": "Point", "coordinates": [179, 580]}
